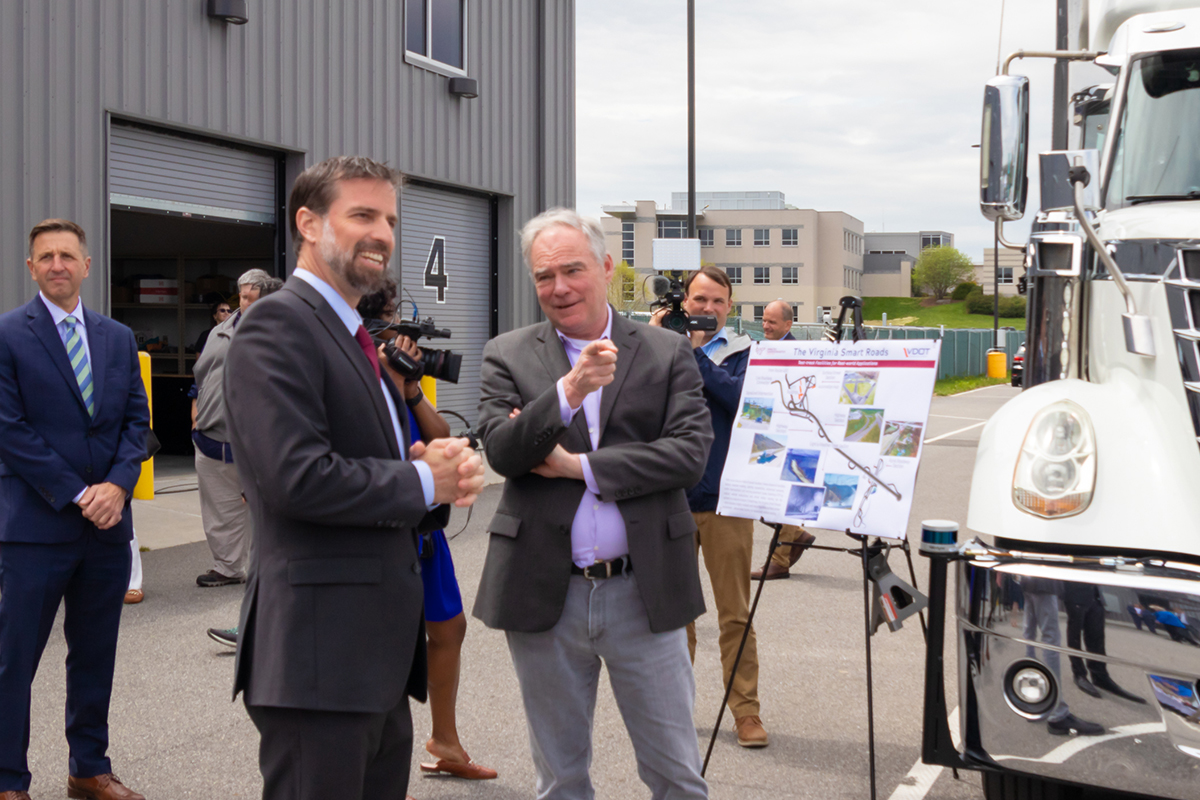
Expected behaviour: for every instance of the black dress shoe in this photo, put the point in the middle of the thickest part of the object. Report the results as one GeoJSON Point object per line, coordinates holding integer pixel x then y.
{"type": "Point", "coordinates": [1086, 686]}
{"type": "Point", "coordinates": [1109, 685]}
{"type": "Point", "coordinates": [214, 578]}
{"type": "Point", "coordinates": [1073, 724]}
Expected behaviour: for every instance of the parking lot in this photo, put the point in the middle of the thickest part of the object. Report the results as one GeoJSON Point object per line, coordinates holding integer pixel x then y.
{"type": "Point", "coordinates": [177, 734]}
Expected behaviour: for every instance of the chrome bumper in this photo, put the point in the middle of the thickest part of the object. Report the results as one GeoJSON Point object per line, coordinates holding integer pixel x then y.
{"type": "Point", "coordinates": [1068, 617]}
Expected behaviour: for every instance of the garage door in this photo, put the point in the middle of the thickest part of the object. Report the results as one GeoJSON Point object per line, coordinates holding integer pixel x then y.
{"type": "Point", "coordinates": [156, 171]}
{"type": "Point", "coordinates": [446, 270]}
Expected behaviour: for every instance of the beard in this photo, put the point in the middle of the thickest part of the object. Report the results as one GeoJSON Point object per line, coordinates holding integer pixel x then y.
{"type": "Point", "coordinates": [342, 262]}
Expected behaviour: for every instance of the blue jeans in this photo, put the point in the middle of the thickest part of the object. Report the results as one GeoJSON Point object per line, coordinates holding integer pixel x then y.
{"type": "Point", "coordinates": [651, 676]}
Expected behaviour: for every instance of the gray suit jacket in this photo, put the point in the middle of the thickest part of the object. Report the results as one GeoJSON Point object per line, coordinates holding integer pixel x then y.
{"type": "Point", "coordinates": [332, 618]}
{"type": "Point", "coordinates": [654, 440]}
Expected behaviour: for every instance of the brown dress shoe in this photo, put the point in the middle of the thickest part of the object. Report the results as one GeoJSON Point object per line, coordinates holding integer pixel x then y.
{"type": "Point", "coordinates": [15, 794]}
{"type": "Point", "coordinates": [100, 787]}
{"type": "Point", "coordinates": [774, 572]}
{"type": "Point", "coordinates": [750, 731]}
{"type": "Point", "coordinates": [805, 538]}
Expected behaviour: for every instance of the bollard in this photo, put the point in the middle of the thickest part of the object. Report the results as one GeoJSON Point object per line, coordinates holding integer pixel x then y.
{"type": "Point", "coordinates": [997, 363]}
{"type": "Point", "coordinates": [144, 488]}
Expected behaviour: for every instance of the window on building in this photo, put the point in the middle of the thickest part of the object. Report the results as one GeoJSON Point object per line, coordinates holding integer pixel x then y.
{"type": "Point", "coordinates": [758, 312]}
{"type": "Point", "coordinates": [934, 240]}
{"type": "Point", "coordinates": [628, 290]}
{"type": "Point", "coordinates": [762, 237]}
{"type": "Point", "coordinates": [672, 229]}
{"type": "Point", "coordinates": [1006, 275]}
{"type": "Point", "coordinates": [791, 275]}
{"type": "Point", "coordinates": [627, 243]}
{"type": "Point", "coordinates": [435, 33]}
{"type": "Point", "coordinates": [733, 237]}
{"type": "Point", "coordinates": [735, 275]}
{"type": "Point", "coordinates": [706, 237]}
{"type": "Point", "coordinates": [791, 237]}
{"type": "Point", "coordinates": [762, 275]}
{"type": "Point", "coordinates": [795, 312]}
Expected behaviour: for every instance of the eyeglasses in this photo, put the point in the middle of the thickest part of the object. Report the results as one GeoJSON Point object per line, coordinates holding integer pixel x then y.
{"type": "Point", "coordinates": [224, 311]}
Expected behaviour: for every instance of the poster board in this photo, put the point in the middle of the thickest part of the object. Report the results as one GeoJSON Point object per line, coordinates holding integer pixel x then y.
{"type": "Point", "coordinates": [830, 435]}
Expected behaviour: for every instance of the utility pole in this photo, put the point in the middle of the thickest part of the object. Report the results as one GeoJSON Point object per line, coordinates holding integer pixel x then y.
{"type": "Point", "coordinates": [1061, 117]}
{"type": "Point", "coordinates": [691, 124]}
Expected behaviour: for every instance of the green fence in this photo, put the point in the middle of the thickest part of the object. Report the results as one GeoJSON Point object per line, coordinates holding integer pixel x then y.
{"type": "Point", "coordinates": [964, 351]}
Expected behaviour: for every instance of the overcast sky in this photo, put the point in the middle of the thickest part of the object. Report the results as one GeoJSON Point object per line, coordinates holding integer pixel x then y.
{"type": "Point", "coordinates": [863, 106]}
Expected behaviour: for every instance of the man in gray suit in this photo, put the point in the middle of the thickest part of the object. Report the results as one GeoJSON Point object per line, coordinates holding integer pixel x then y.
{"type": "Point", "coordinates": [599, 426]}
{"type": "Point", "coordinates": [332, 640]}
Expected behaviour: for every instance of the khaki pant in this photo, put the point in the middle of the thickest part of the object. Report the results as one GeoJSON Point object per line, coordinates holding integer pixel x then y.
{"type": "Point", "coordinates": [727, 544]}
{"type": "Point", "coordinates": [782, 557]}
{"type": "Point", "coordinates": [225, 515]}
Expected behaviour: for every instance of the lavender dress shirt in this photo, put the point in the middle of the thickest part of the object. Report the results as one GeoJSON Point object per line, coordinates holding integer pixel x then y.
{"type": "Point", "coordinates": [598, 530]}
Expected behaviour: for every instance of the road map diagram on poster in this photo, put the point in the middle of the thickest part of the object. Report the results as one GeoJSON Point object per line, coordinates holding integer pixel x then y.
{"type": "Point", "coordinates": [829, 435]}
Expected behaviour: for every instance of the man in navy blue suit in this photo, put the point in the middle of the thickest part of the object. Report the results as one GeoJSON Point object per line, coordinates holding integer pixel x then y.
{"type": "Point", "coordinates": [73, 422]}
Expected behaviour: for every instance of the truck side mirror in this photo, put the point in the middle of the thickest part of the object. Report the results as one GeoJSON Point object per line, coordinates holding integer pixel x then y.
{"type": "Point", "coordinates": [1004, 148]}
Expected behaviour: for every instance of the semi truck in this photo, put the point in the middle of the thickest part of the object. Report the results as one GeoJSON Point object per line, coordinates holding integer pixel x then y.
{"type": "Point", "coordinates": [1076, 582]}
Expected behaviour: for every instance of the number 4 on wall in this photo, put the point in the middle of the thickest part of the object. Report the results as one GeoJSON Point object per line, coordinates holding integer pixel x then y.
{"type": "Point", "coordinates": [435, 268]}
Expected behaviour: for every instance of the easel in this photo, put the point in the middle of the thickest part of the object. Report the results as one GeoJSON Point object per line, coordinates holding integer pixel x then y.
{"type": "Point", "coordinates": [865, 552]}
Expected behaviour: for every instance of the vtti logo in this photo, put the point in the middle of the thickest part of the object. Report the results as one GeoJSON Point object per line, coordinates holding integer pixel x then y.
{"type": "Point", "coordinates": [911, 352]}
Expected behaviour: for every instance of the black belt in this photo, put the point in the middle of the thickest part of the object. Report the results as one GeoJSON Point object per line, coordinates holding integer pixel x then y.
{"type": "Point", "coordinates": [603, 569]}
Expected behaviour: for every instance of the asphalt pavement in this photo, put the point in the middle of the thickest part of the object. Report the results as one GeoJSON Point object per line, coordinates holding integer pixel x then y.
{"type": "Point", "coordinates": [177, 734]}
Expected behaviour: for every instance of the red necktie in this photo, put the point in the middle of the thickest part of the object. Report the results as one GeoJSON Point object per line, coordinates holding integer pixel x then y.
{"type": "Point", "coordinates": [368, 348]}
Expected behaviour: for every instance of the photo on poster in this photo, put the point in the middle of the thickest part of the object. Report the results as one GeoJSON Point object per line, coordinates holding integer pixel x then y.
{"type": "Point", "coordinates": [858, 388]}
{"type": "Point", "coordinates": [901, 439]}
{"type": "Point", "coordinates": [864, 425]}
{"type": "Point", "coordinates": [756, 413]}
{"type": "Point", "coordinates": [800, 466]}
{"type": "Point", "coordinates": [840, 491]}
{"type": "Point", "coordinates": [804, 502]}
{"type": "Point", "coordinates": [765, 449]}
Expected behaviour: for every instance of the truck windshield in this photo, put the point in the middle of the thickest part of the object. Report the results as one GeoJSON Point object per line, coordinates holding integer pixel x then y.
{"type": "Point", "coordinates": [1157, 157]}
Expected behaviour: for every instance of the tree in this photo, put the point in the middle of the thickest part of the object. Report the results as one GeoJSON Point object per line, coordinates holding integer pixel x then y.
{"type": "Point", "coordinates": [623, 290]}
{"type": "Point", "coordinates": [940, 269]}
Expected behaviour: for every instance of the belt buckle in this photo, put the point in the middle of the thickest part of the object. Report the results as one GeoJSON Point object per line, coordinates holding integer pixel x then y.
{"type": "Point", "coordinates": [587, 572]}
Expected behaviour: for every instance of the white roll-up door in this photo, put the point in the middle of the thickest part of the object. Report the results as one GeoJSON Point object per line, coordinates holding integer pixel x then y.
{"type": "Point", "coordinates": [446, 269]}
{"type": "Point", "coordinates": [159, 172]}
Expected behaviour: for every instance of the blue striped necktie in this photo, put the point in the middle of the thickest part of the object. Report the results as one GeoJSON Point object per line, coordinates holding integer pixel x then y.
{"type": "Point", "coordinates": [79, 362]}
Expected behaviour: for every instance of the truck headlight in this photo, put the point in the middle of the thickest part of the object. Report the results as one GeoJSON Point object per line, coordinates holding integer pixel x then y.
{"type": "Point", "coordinates": [1056, 471]}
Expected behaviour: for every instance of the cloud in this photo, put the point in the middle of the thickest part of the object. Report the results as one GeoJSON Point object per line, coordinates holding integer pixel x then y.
{"type": "Point", "coordinates": [863, 106]}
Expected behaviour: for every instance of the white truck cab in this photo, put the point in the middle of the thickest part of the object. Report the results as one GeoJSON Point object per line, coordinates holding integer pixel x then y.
{"type": "Point", "coordinates": [1078, 611]}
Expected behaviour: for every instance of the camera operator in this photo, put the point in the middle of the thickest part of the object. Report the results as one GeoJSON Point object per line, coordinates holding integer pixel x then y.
{"type": "Point", "coordinates": [777, 326]}
{"type": "Point", "coordinates": [445, 622]}
{"type": "Point", "coordinates": [726, 542]}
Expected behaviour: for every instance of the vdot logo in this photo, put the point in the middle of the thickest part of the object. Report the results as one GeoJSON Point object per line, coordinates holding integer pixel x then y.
{"type": "Point", "coordinates": [911, 352]}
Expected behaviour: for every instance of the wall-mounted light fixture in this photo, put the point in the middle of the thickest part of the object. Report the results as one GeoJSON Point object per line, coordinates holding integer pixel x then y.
{"type": "Point", "coordinates": [232, 11]}
{"type": "Point", "coordinates": [466, 88]}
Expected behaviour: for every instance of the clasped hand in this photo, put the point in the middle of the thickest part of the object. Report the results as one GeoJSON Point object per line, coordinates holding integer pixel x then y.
{"type": "Point", "coordinates": [102, 504]}
{"type": "Point", "coordinates": [457, 470]}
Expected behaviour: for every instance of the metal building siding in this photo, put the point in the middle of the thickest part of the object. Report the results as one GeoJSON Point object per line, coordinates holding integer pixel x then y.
{"type": "Point", "coordinates": [157, 171]}
{"type": "Point", "coordinates": [464, 222]}
{"type": "Point", "coordinates": [318, 77]}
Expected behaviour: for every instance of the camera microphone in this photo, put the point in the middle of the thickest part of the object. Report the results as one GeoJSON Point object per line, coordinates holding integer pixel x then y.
{"type": "Point", "coordinates": [660, 285]}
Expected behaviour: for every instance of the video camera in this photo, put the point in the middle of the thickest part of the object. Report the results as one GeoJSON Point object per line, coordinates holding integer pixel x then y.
{"type": "Point", "coordinates": [670, 294]}
{"type": "Point", "coordinates": [441, 364]}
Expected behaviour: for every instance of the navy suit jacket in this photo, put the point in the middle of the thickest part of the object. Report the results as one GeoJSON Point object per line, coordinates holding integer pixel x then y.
{"type": "Point", "coordinates": [50, 448]}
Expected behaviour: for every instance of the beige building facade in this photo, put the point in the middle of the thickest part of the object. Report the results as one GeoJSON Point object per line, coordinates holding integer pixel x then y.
{"type": "Point", "coordinates": [771, 251]}
{"type": "Point", "coordinates": [1012, 269]}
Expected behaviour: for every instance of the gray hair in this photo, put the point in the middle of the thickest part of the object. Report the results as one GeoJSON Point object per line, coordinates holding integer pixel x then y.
{"type": "Point", "coordinates": [254, 277]}
{"type": "Point", "coordinates": [269, 286]}
{"type": "Point", "coordinates": [568, 219]}
{"type": "Point", "coordinates": [785, 309]}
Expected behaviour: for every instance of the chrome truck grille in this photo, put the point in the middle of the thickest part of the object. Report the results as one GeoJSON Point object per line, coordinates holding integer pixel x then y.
{"type": "Point", "coordinates": [1182, 281]}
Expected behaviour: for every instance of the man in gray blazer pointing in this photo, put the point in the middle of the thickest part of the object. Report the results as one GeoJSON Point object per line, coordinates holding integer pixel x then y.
{"type": "Point", "coordinates": [599, 425]}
